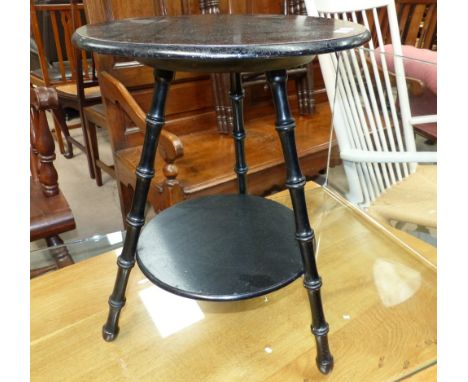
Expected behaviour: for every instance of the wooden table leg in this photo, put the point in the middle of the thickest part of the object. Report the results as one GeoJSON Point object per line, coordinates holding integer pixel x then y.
{"type": "Point", "coordinates": [295, 182]}
{"type": "Point", "coordinates": [136, 218]}
{"type": "Point", "coordinates": [237, 94]}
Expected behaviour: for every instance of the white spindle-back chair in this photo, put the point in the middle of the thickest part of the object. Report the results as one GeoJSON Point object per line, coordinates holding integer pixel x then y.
{"type": "Point", "coordinates": [375, 135]}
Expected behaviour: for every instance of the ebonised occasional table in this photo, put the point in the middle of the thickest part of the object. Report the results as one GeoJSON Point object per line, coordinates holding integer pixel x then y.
{"type": "Point", "coordinates": [224, 247]}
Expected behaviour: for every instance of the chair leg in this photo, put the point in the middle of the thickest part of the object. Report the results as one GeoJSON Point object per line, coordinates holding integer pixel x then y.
{"type": "Point", "coordinates": [300, 96]}
{"type": "Point", "coordinates": [295, 182]}
{"type": "Point", "coordinates": [136, 219]}
{"type": "Point", "coordinates": [59, 119]}
{"type": "Point", "coordinates": [40, 271]}
{"type": "Point", "coordinates": [305, 96]}
{"type": "Point", "coordinates": [61, 255]}
{"type": "Point", "coordinates": [94, 151]}
{"type": "Point", "coordinates": [87, 145]}
{"type": "Point", "coordinates": [58, 135]}
{"type": "Point", "coordinates": [309, 86]}
{"type": "Point", "coordinates": [216, 81]}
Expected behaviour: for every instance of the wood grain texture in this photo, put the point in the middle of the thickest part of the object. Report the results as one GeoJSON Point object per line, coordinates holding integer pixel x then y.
{"type": "Point", "coordinates": [71, 91]}
{"type": "Point", "coordinates": [380, 301]}
{"type": "Point", "coordinates": [207, 164]}
{"type": "Point", "coordinates": [303, 78]}
{"type": "Point", "coordinates": [193, 111]}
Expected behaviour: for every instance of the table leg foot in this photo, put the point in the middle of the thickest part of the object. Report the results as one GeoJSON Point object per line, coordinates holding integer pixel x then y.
{"type": "Point", "coordinates": [110, 330]}
{"type": "Point", "coordinates": [324, 359]}
{"type": "Point", "coordinates": [109, 335]}
{"type": "Point", "coordinates": [325, 365]}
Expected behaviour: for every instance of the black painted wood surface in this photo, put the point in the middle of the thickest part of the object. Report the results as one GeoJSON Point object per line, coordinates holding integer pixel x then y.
{"type": "Point", "coordinates": [221, 42]}
{"type": "Point", "coordinates": [224, 247]}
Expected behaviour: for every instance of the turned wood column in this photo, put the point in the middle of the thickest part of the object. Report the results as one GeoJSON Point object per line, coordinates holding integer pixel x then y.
{"type": "Point", "coordinates": [238, 132]}
{"type": "Point", "coordinates": [305, 237]}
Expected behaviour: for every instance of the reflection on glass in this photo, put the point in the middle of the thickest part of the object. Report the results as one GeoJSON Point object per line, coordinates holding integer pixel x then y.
{"type": "Point", "coordinates": [395, 282]}
{"type": "Point", "coordinates": [170, 313]}
{"type": "Point", "coordinates": [79, 250]}
{"type": "Point", "coordinates": [379, 295]}
{"type": "Point", "coordinates": [382, 156]}
{"type": "Point", "coordinates": [115, 238]}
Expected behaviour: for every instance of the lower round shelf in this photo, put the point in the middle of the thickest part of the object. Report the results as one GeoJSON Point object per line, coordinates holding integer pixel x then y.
{"type": "Point", "coordinates": [222, 248]}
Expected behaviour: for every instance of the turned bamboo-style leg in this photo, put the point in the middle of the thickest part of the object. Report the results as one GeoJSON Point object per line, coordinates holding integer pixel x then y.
{"type": "Point", "coordinates": [135, 219]}
{"type": "Point", "coordinates": [238, 132]}
{"type": "Point", "coordinates": [295, 182]}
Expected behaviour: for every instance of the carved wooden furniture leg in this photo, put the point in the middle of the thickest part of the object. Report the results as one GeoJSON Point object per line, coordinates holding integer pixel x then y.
{"type": "Point", "coordinates": [228, 112]}
{"type": "Point", "coordinates": [219, 107]}
{"type": "Point", "coordinates": [238, 132]}
{"type": "Point", "coordinates": [305, 92]}
{"type": "Point", "coordinates": [135, 219]}
{"type": "Point", "coordinates": [222, 113]}
{"type": "Point", "coordinates": [50, 214]}
{"type": "Point", "coordinates": [304, 84]}
{"type": "Point", "coordinates": [61, 256]}
{"type": "Point", "coordinates": [309, 85]}
{"type": "Point", "coordinates": [295, 182]}
{"type": "Point", "coordinates": [301, 99]}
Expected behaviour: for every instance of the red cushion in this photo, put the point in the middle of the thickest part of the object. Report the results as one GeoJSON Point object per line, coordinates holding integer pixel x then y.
{"type": "Point", "coordinates": [414, 67]}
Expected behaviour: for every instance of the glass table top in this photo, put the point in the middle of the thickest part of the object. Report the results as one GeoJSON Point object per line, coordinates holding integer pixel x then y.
{"type": "Point", "coordinates": [379, 296]}
{"type": "Point", "coordinates": [379, 292]}
{"type": "Point", "coordinates": [385, 160]}
{"type": "Point", "coordinates": [79, 250]}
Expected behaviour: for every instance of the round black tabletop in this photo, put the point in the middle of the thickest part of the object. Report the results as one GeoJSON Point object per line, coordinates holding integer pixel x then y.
{"type": "Point", "coordinates": [221, 42]}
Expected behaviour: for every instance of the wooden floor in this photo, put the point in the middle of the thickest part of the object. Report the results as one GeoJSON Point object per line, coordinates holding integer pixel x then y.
{"type": "Point", "coordinates": [379, 297]}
